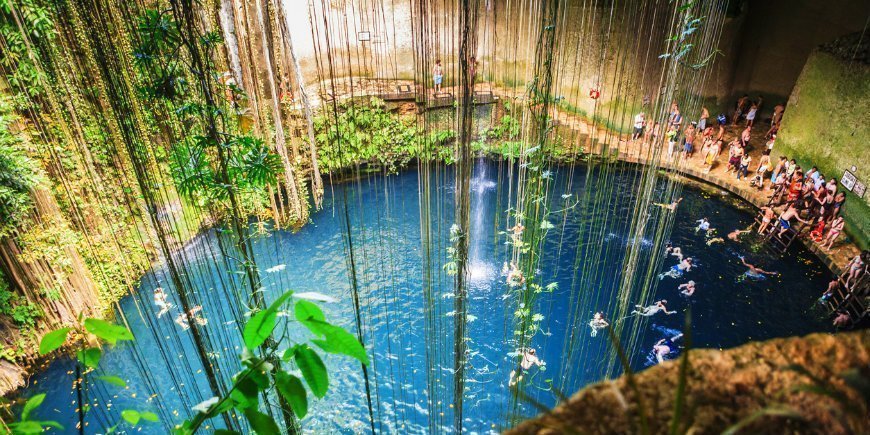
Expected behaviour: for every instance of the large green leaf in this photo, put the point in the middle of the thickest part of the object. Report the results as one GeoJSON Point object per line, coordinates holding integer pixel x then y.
{"type": "Point", "coordinates": [261, 325]}
{"type": "Point", "coordinates": [338, 340]}
{"type": "Point", "coordinates": [31, 404]}
{"type": "Point", "coordinates": [114, 380]}
{"type": "Point", "coordinates": [245, 393]}
{"type": "Point", "coordinates": [313, 370]}
{"type": "Point", "coordinates": [90, 357]}
{"type": "Point", "coordinates": [131, 416]}
{"type": "Point", "coordinates": [53, 340]}
{"type": "Point", "coordinates": [107, 331]}
{"type": "Point", "coordinates": [261, 423]}
{"type": "Point", "coordinates": [291, 388]}
{"type": "Point", "coordinates": [306, 310]}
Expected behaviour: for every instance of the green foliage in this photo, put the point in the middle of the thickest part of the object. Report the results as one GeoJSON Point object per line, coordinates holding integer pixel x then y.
{"type": "Point", "coordinates": [368, 133]}
{"type": "Point", "coordinates": [53, 340]}
{"type": "Point", "coordinates": [261, 325]}
{"type": "Point", "coordinates": [261, 375]}
{"type": "Point", "coordinates": [26, 426]}
{"type": "Point", "coordinates": [107, 331]}
{"type": "Point", "coordinates": [16, 58]}
{"type": "Point", "coordinates": [18, 173]}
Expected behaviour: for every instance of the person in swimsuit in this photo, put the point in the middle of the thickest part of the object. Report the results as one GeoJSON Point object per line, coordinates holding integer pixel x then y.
{"type": "Point", "coordinates": [832, 286]}
{"type": "Point", "coordinates": [755, 273]}
{"type": "Point", "coordinates": [766, 217]}
{"type": "Point", "coordinates": [665, 347]}
{"type": "Point", "coordinates": [597, 323]}
{"type": "Point", "coordinates": [672, 206]}
{"type": "Point", "coordinates": [688, 288]}
{"type": "Point", "coordinates": [857, 267]}
{"type": "Point", "coordinates": [183, 319]}
{"type": "Point", "coordinates": [703, 225]}
{"type": "Point", "coordinates": [674, 250]}
{"type": "Point", "coordinates": [678, 270]}
{"type": "Point", "coordinates": [785, 219]}
{"type": "Point", "coordinates": [161, 301]}
{"type": "Point", "coordinates": [515, 276]}
{"type": "Point", "coordinates": [712, 154]}
{"type": "Point", "coordinates": [529, 359]}
{"type": "Point", "coordinates": [734, 235]}
{"type": "Point", "coordinates": [653, 309]}
{"type": "Point", "coordinates": [689, 140]}
{"type": "Point", "coordinates": [834, 232]}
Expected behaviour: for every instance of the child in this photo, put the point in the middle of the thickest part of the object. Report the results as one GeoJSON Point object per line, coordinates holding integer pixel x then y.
{"type": "Point", "coordinates": [438, 75]}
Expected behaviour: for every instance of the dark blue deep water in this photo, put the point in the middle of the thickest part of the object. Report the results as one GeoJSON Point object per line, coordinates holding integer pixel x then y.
{"type": "Point", "coordinates": [385, 222]}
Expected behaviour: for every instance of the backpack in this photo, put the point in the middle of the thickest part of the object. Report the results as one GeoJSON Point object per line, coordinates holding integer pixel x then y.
{"type": "Point", "coordinates": [721, 118]}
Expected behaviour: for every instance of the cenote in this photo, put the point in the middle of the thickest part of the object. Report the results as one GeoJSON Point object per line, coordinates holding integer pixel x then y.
{"type": "Point", "coordinates": [385, 224]}
{"type": "Point", "coordinates": [434, 216]}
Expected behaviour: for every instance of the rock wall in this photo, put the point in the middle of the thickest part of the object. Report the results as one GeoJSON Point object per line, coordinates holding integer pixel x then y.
{"type": "Point", "coordinates": [826, 126]}
{"type": "Point", "coordinates": [725, 387]}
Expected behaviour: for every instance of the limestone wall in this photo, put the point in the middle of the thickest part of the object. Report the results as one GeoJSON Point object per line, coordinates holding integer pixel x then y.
{"type": "Point", "coordinates": [826, 125]}
{"type": "Point", "coordinates": [726, 387]}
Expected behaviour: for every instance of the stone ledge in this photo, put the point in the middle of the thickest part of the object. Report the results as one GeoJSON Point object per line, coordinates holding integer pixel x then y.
{"type": "Point", "coordinates": [724, 387]}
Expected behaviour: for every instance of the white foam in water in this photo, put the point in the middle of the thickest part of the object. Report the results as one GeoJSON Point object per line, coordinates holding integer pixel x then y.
{"type": "Point", "coordinates": [277, 268]}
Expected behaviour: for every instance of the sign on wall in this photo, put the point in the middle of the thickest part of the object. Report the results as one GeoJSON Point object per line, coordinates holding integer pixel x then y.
{"type": "Point", "coordinates": [848, 180]}
{"type": "Point", "coordinates": [859, 189]}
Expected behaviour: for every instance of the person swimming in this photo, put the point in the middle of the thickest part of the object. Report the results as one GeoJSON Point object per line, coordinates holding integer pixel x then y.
{"type": "Point", "coordinates": [672, 206]}
{"type": "Point", "coordinates": [688, 288]}
{"type": "Point", "coordinates": [678, 270]}
{"type": "Point", "coordinates": [529, 359]}
{"type": "Point", "coordinates": [735, 235]}
{"type": "Point", "coordinates": [597, 323]}
{"type": "Point", "coordinates": [703, 225]}
{"type": "Point", "coordinates": [515, 276]}
{"type": "Point", "coordinates": [183, 319]}
{"type": "Point", "coordinates": [160, 299]}
{"type": "Point", "coordinates": [674, 250]}
{"type": "Point", "coordinates": [755, 273]}
{"type": "Point", "coordinates": [652, 309]}
{"type": "Point", "coordinates": [665, 347]}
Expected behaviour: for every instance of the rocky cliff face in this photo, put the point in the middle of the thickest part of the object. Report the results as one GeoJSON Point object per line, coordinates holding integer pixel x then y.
{"type": "Point", "coordinates": [727, 387]}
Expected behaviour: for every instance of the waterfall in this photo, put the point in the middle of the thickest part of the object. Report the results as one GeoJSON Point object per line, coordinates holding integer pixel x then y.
{"type": "Point", "coordinates": [229, 28]}
{"type": "Point", "coordinates": [478, 269]}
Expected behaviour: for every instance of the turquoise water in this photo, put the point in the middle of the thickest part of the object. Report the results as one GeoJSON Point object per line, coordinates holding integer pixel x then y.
{"type": "Point", "coordinates": [727, 309]}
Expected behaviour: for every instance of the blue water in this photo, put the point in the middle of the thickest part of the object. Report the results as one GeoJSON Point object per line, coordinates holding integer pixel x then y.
{"type": "Point", "coordinates": [727, 309]}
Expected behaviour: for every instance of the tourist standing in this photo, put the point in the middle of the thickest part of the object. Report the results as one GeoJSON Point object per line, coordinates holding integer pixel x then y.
{"type": "Point", "coordinates": [438, 75]}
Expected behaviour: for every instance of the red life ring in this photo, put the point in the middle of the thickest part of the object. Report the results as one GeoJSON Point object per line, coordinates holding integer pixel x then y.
{"type": "Point", "coordinates": [594, 93]}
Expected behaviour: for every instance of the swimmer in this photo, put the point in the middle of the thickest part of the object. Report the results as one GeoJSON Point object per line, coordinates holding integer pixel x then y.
{"type": "Point", "coordinates": [515, 276]}
{"type": "Point", "coordinates": [161, 301]}
{"type": "Point", "coordinates": [766, 217]}
{"type": "Point", "coordinates": [843, 319]}
{"type": "Point", "coordinates": [755, 272]}
{"type": "Point", "coordinates": [833, 285]}
{"type": "Point", "coordinates": [703, 225]}
{"type": "Point", "coordinates": [710, 242]}
{"type": "Point", "coordinates": [529, 359]}
{"type": "Point", "coordinates": [665, 347]}
{"type": "Point", "coordinates": [653, 309]}
{"type": "Point", "coordinates": [517, 232]}
{"type": "Point", "coordinates": [734, 235]}
{"type": "Point", "coordinates": [597, 323]}
{"type": "Point", "coordinates": [672, 206]}
{"type": "Point", "coordinates": [675, 251]}
{"type": "Point", "coordinates": [688, 288]}
{"type": "Point", "coordinates": [183, 319]}
{"type": "Point", "coordinates": [678, 270]}
{"type": "Point", "coordinates": [785, 219]}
